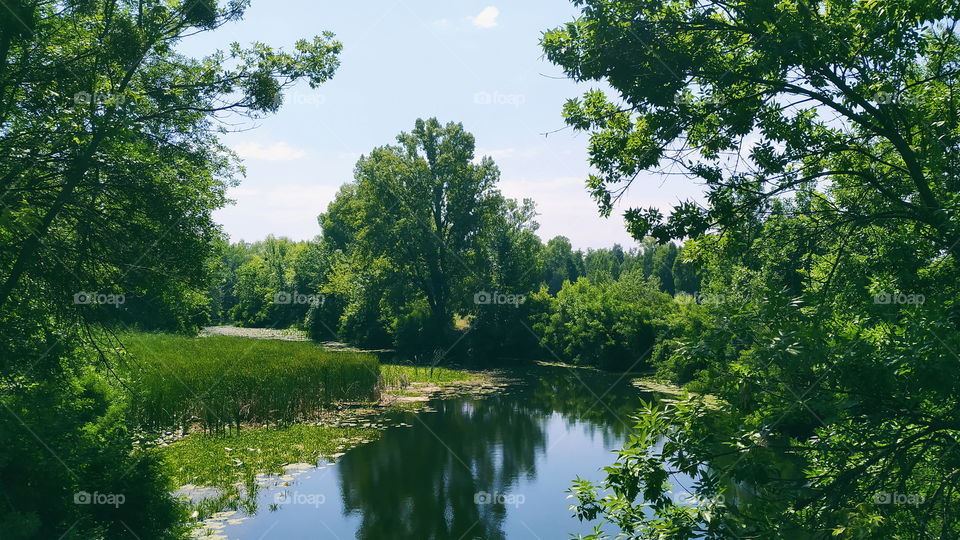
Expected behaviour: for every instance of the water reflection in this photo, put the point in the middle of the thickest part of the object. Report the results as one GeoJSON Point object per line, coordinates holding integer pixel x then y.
{"type": "Point", "coordinates": [603, 402]}
{"type": "Point", "coordinates": [432, 481]}
{"type": "Point", "coordinates": [490, 468]}
{"type": "Point", "coordinates": [451, 476]}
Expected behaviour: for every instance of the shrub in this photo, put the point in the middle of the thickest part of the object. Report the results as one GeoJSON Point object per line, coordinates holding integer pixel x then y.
{"type": "Point", "coordinates": [65, 439]}
{"type": "Point", "coordinates": [612, 325]}
{"type": "Point", "coordinates": [412, 335]}
{"type": "Point", "coordinates": [504, 330]}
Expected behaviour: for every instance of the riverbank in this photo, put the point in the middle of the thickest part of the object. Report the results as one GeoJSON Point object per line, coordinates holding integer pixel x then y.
{"type": "Point", "coordinates": [220, 475]}
{"type": "Point", "coordinates": [234, 411]}
{"type": "Point", "coordinates": [519, 449]}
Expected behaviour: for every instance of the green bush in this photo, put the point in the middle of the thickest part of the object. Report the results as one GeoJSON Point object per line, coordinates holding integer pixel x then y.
{"type": "Point", "coordinates": [504, 331]}
{"type": "Point", "coordinates": [684, 349]}
{"type": "Point", "coordinates": [613, 325]}
{"type": "Point", "coordinates": [412, 334]}
{"type": "Point", "coordinates": [322, 320]}
{"type": "Point", "coordinates": [65, 442]}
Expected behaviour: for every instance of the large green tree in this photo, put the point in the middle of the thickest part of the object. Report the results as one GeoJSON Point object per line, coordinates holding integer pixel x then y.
{"type": "Point", "coordinates": [561, 263]}
{"type": "Point", "coordinates": [110, 168]}
{"type": "Point", "coordinates": [759, 99]}
{"type": "Point", "coordinates": [825, 134]}
{"type": "Point", "coordinates": [417, 218]}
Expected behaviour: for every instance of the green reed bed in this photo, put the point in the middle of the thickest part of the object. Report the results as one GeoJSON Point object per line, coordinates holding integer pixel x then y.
{"type": "Point", "coordinates": [401, 376]}
{"type": "Point", "coordinates": [222, 382]}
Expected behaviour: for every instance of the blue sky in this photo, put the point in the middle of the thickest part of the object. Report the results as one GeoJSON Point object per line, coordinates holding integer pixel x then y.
{"type": "Point", "coordinates": [478, 63]}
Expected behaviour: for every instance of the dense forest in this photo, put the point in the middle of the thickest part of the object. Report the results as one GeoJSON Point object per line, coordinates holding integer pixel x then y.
{"type": "Point", "coordinates": [314, 285]}
{"type": "Point", "coordinates": [809, 308]}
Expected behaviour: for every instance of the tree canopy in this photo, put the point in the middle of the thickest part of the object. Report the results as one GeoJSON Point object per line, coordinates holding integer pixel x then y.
{"type": "Point", "coordinates": [110, 169]}
{"type": "Point", "coordinates": [825, 135]}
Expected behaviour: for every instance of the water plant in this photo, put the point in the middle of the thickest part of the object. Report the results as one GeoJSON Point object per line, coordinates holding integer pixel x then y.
{"type": "Point", "coordinates": [224, 382]}
{"type": "Point", "coordinates": [395, 376]}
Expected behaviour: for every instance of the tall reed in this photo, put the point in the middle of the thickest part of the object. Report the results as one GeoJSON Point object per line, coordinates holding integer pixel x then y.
{"type": "Point", "coordinates": [222, 382]}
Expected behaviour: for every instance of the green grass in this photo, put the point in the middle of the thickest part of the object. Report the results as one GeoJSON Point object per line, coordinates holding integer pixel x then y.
{"type": "Point", "coordinates": [396, 376]}
{"type": "Point", "coordinates": [223, 381]}
{"type": "Point", "coordinates": [223, 460]}
{"type": "Point", "coordinates": [405, 393]}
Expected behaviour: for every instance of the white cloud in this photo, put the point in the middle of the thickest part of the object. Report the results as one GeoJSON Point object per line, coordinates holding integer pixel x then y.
{"type": "Point", "coordinates": [486, 18]}
{"type": "Point", "coordinates": [278, 151]}
{"type": "Point", "coordinates": [264, 208]}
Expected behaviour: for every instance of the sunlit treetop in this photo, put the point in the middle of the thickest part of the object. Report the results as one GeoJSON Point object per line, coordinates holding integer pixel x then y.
{"type": "Point", "coordinates": [761, 99]}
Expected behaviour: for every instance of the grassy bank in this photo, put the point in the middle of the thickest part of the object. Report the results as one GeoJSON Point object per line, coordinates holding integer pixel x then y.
{"type": "Point", "coordinates": [222, 381]}
{"type": "Point", "coordinates": [395, 376]}
{"type": "Point", "coordinates": [223, 460]}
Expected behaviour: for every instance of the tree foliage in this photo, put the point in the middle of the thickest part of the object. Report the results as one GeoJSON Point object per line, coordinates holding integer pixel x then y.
{"type": "Point", "coordinates": [825, 134]}
{"type": "Point", "coordinates": [110, 168]}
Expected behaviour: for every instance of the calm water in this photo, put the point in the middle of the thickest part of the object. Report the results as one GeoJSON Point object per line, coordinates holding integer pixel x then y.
{"type": "Point", "coordinates": [478, 468]}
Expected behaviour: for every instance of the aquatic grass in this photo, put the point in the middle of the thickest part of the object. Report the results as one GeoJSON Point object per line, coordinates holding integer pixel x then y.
{"type": "Point", "coordinates": [401, 376]}
{"type": "Point", "coordinates": [224, 460]}
{"type": "Point", "coordinates": [231, 462]}
{"type": "Point", "coordinates": [222, 382]}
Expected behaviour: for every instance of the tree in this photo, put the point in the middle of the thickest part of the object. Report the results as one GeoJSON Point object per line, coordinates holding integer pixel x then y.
{"type": "Point", "coordinates": [114, 115]}
{"type": "Point", "coordinates": [601, 265]}
{"type": "Point", "coordinates": [612, 325]}
{"type": "Point", "coordinates": [110, 169]}
{"type": "Point", "coordinates": [420, 212]}
{"type": "Point", "coordinates": [826, 88]}
{"type": "Point", "coordinates": [685, 278]}
{"type": "Point", "coordinates": [227, 260]}
{"type": "Point", "coordinates": [561, 263]}
{"type": "Point", "coordinates": [826, 137]}
{"type": "Point", "coordinates": [663, 261]}
{"type": "Point", "coordinates": [513, 267]}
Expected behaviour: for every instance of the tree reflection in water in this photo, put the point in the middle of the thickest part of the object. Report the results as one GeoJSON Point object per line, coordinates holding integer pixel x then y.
{"type": "Point", "coordinates": [431, 481]}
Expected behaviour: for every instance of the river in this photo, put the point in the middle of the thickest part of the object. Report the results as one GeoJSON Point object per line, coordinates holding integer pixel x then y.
{"type": "Point", "coordinates": [472, 468]}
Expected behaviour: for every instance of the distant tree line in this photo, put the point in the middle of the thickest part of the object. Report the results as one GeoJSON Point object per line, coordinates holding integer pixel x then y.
{"type": "Point", "coordinates": [280, 283]}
